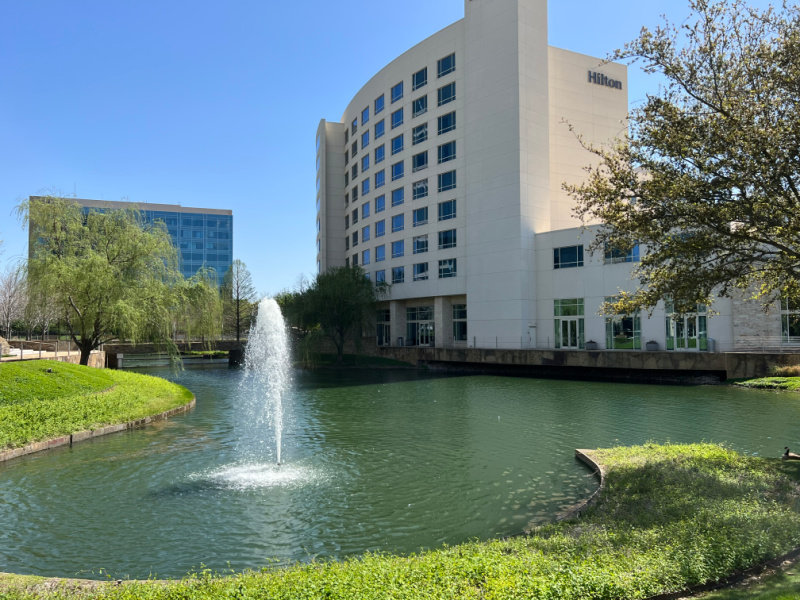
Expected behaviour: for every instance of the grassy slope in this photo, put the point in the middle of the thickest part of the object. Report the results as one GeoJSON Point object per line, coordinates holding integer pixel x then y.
{"type": "Point", "coordinates": [791, 384]}
{"type": "Point", "coordinates": [671, 516]}
{"type": "Point", "coordinates": [36, 405]}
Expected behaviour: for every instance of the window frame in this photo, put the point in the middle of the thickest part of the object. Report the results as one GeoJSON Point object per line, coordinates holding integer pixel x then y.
{"type": "Point", "coordinates": [440, 71]}
{"type": "Point", "coordinates": [441, 99]}
{"type": "Point", "coordinates": [415, 83]}
{"type": "Point", "coordinates": [396, 92]}
{"type": "Point", "coordinates": [448, 268]}
{"type": "Point", "coordinates": [440, 211]}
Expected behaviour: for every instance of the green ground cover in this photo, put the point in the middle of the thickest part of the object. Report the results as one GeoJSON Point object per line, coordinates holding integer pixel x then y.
{"type": "Point", "coordinates": [670, 517]}
{"type": "Point", "coordinates": [784, 585]}
{"type": "Point", "coordinates": [791, 384]}
{"type": "Point", "coordinates": [37, 405]}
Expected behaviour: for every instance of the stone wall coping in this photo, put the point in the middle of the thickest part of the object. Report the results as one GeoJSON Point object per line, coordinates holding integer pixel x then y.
{"type": "Point", "coordinates": [68, 440]}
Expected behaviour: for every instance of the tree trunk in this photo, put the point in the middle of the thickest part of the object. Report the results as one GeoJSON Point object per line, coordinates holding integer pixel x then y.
{"type": "Point", "coordinates": [86, 351]}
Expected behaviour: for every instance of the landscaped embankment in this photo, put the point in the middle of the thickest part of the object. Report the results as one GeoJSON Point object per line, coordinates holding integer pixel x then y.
{"type": "Point", "coordinates": [47, 400]}
{"type": "Point", "coordinates": [669, 517]}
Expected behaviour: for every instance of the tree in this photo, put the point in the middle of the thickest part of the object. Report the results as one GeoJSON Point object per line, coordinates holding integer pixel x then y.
{"type": "Point", "coordinates": [200, 313]}
{"type": "Point", "coordinates": [709, 179]}
{"type": "Point", "coordinates": [238, 295]}
{"type": "Point", "coordinates": [12, 297]}
{"type": "Point", "coordinates": [109, 274]}
{"type": "Point", "coordinates": [339, 302]}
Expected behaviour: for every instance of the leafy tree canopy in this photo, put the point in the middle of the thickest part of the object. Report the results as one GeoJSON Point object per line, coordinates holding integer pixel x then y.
{"type": "Point", "coordinates": [709, 179]}
{"type": "Point", "coordinates": [339, 303]}
{"type": "Point", "coordinates": [109, 274]}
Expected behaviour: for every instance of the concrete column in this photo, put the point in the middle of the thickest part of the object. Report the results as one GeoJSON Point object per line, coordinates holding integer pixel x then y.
{"type": "Point", "coordinates": [397, 320]}
{"type": "Point", "coordinates": [443, 314]}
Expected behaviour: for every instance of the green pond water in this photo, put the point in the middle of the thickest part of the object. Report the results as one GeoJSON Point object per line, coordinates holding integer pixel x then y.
{"type": "Point", "coordinates": [372, 461]}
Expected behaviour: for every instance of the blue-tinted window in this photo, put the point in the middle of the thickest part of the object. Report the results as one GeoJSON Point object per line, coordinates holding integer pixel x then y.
{"type": "Point", "coordinates": [420, 271]}
{"type": "Point", "coordinates": [397, 118]}
{"type": "Point", "coordinates": [355, 259]}
{"type": "Point", "coordinates": [380, 153]}
{"type": "Point", "coordinates": [421, 216]}
{"type": "Point", "coordinates": [447, 239]}
{"type": "Point", "coordinates": [419, 189]}
{"type": "Point", "coordinates": [355, 239]}
{"type": "Point", "coordinates": [615, 255]}
{"type": "Point", "coordinates": [419, 79]}
{"type": "Point", "coordinates": [398, 223]}
{"type": "Point", "coordinates": [567, 257]}
{"type": "Point", "coordinates": [447, 210]}
{"type": "Point", "coordinates": [380, 179]}
{"type": "Point", "coordinates": [398, 196]}
{"type": "Point", "coordinates": [447, 93]}
{"type": "Point", "coordinates": [419, 134]}
{"type": "Point", "coordinates": [380, 128]}
{"type": "Point", "coordinates": [447, 181]}
{"type": "Point", "coordinates": [397, 144]}
{"type": "Point", "coordinates": [365, 187]}
{"type": "Point", "coordinates": [397, 92]}
{"type": "Point", "coordinates": [365, 210]}
{"type": "Point", "coordinates": [378, 104]}
{"type": "Point", "coordinates": [365, 231]}
{"type": "Point", "coordinates": [354, 126]}
{"type": "Point", "coordinates": [365, 115]}
{"type": "Point", "coordinates": [380, 203]}
{"type": "Point", "coordinates": [354, 149]}
{"type": "Point", "coordinates": [398, 170]}
{"type": "Point", "coordinates": [380, 276]}
{"type": "Point", "coordinates": [380, 228]}
{"type": "Point", "coordinates": [354, 216]}
{"type": "Point", "coordinates": [447, 268]}
{"type": "Point", "coordinates": [380, 253]}
{"type": "Point", "coordinates": [398, 249]}
{"type": "Point", "coordinates": [365, 139]}
{"type": "Point", "coordinates": [398, 274]}
{"type": "Point", "coordinates": [420, 244]}
{"type": "Point", "coordinates": [364, 163]}
{"type": "Point", "coordinates": [419, 106]}
{"type": "Point", "coordinates": [365, 257]}
{"type": "Point", "coordinates": [446, 65]}
{"type": "Point", "coordinates": [447, 152]}
{"type": "Point", "coordinates": [354, 171]}
{"type": "Point", "coordinates": [419, 161]}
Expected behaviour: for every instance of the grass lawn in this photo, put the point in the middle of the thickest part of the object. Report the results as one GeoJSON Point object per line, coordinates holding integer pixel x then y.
{"type": "Point", "coordinates": [670, 517]}
{"type": "Point", "coordinates": [36, 405]}
{"type": "Point", "coordinates": [791, 384]}
{"type": "Point", "coordinates": [780, 586]}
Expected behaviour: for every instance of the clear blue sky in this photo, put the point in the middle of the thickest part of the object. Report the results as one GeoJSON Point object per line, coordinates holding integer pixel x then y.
{"type": "Point", "coordinates": [216, 105]}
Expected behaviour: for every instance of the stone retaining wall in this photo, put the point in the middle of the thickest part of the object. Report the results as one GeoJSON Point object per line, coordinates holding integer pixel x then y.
{"type": "Point", "coordinates": [92, 433]}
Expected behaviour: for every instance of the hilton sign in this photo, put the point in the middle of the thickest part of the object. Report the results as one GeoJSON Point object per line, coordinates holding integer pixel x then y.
{"type": "Point", "coordinates": [600, 79]}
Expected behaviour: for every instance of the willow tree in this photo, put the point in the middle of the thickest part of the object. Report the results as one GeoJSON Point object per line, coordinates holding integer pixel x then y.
{"type": "Point", "coordinates": [338, 305]}
{"type": "Point", "coordinates": [200, 307]}
{"type": "Point", "coordinates": [709, 177]}
{"type": "Point", "coordinates": [109, 274]}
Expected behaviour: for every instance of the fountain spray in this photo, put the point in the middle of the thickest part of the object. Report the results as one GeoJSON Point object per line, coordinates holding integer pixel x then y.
{"type": "Point", "coordinates": [267, 361]}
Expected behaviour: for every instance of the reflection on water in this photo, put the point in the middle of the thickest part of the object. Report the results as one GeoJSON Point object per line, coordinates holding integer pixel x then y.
{"type": "Point", "coordinates": [381, 460]}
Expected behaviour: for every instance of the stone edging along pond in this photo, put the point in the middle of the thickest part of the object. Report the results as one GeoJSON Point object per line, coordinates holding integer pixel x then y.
{"type": "Point", "coordinates": [68, 440]}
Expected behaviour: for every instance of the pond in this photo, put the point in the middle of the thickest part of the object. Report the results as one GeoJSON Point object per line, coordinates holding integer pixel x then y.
{"type": "Point", "coordinates": [372, 461]}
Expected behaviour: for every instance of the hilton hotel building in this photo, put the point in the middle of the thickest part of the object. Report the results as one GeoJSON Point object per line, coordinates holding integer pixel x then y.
{"type": "Point", "coordinates": [444, 179]}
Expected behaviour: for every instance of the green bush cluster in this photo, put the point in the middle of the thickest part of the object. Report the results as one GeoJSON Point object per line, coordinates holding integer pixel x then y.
{"type": "Point", "coordinates": [41, 400]}
{"type": "Point", "coordinates": [670, 517]}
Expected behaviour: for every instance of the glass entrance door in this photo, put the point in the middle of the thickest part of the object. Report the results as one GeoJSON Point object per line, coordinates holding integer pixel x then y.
{"type": "Point", "coordinates": [687, 333]}
{"type": "Point", "coordinates": [569, 333]}
{"type": "Point", "coordinates": [384, 334]}
{"type": "Point", "coordinates": [425, 333]}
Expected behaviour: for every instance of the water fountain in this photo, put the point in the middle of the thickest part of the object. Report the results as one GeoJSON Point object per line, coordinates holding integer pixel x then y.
{"type": "Point", "coordinates": [268, 367]}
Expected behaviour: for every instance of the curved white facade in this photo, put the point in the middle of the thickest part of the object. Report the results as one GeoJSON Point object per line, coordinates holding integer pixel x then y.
{"type": "Point", "coordinates": [468, 221]}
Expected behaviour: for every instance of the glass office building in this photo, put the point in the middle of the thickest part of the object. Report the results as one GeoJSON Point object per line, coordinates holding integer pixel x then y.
{"type": "Point", "coordinates": [203, 236]}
